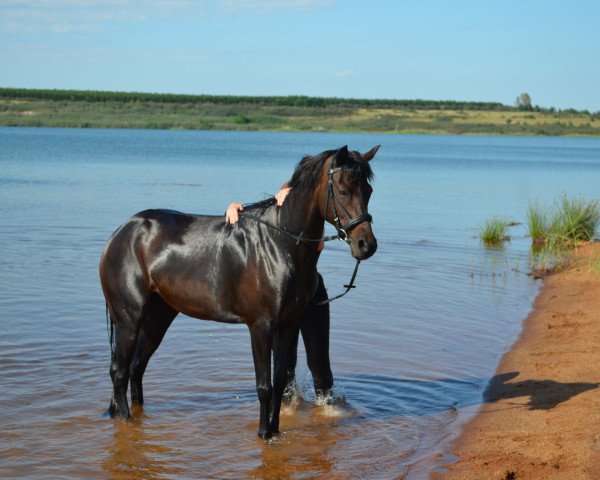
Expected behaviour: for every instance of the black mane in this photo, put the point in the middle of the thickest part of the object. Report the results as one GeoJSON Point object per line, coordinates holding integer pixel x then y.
{"type": "Point", "coordinates": [309, 170]}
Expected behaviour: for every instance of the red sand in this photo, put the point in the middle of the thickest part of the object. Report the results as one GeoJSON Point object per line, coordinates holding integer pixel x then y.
{"type": "Point", "coordinates": [541, 417]}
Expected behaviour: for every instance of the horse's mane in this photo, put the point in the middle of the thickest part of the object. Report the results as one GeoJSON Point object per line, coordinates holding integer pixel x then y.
{"type": "Point", "coordinates": [308, 174]}
{"type": "Point", "coordinates": [309, 171]}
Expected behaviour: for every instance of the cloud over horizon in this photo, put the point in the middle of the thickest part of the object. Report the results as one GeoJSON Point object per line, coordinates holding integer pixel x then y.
{"type": "Point", "coordinates": [66, 16]}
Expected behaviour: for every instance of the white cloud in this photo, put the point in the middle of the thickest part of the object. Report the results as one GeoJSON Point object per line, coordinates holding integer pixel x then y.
{"type": "Point", "coordinates": [62, 16]}
{"type": "Point", "coordinates": [343, 74]}
{"type": "Point", "coordinates": [260, 6]}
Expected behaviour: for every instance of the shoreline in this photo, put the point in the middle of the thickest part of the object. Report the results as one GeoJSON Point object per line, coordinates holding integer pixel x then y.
{"type": "Point", "coordinates": [540, 416]}
{"type": "Point", "coordinates": [135, 110]}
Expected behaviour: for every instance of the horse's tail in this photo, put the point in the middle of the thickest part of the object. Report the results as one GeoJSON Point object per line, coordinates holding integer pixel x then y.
{"type": "Point", "coordinates": [110, 330]}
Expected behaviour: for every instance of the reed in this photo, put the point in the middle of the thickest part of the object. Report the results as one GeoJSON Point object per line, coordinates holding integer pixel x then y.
{"type": "Point", "coordinates": [538, 223]}
{"type": "Point", "coordinates": [574, 220]}
{"type": "Point", "coordinates": [493, 231]}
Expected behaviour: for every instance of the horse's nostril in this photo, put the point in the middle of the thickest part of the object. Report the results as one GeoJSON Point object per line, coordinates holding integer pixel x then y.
{"type": "Point", "coordinates": [363, 246]}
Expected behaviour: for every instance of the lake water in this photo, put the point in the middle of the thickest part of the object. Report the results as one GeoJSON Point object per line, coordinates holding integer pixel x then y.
{"type": "Point", "coordinates": [412, 347]}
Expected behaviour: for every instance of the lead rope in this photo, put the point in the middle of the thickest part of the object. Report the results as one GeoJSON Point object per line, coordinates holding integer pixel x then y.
{"type": "Point", "coordinates": [348, 287]}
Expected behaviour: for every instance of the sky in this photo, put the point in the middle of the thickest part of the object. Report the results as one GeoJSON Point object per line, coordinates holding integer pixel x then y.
{"type": "Point", "coordinates": [464, 50]}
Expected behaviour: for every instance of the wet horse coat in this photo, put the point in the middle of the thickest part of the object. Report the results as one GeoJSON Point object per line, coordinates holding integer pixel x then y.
{"type": "Point", "coordinates": [162, 262]}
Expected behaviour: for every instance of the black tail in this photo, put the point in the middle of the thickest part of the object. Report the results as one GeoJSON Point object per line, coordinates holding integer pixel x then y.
{"type": "Point", "coordinates": [110, 330]}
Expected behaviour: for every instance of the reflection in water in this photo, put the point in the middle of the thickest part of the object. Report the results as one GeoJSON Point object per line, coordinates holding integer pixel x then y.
{"type": "Point", "coordinates": [136, 451]}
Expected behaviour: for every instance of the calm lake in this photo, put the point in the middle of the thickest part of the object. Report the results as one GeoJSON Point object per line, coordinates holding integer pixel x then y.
{"type": "Point", "coordinates": [412, 347]}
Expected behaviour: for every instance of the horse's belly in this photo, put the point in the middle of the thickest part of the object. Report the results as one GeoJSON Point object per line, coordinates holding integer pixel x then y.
{"type": "Point", "coordinates": [195, 299]}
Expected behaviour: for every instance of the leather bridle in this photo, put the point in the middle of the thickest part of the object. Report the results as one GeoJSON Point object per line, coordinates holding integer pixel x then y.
{"type": "Point", "coordinates": [342, 230]}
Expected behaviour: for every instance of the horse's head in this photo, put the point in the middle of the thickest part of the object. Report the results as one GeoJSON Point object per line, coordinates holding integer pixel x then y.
{"type": "Point", "coordinates": [346, 197]}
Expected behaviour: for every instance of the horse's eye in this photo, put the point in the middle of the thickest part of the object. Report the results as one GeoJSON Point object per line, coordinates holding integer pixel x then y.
{"type": "Point", "coordinates": [344, 193]}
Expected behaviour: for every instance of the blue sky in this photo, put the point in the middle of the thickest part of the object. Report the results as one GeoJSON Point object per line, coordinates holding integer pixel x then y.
{"type": "Point", "coordinates": [450, 50]}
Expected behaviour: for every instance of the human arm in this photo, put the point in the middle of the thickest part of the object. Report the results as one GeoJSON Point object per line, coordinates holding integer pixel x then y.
{"type": "Point", "coordinates": [231, 215]}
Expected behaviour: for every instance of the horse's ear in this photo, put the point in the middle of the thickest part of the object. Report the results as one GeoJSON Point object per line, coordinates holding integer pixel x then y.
{"type": "Point", "coordinates": [341, 155]}
{"type": "Point", "coordinates": [371, 153]}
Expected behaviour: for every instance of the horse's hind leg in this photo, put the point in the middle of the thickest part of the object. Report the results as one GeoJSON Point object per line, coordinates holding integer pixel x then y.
{"type": "Point", "coordinates": [157, 318]}
{"type": "Point", "coordinates": [124, 344]}
{"type": "Point", "coordinates": [262, 342]}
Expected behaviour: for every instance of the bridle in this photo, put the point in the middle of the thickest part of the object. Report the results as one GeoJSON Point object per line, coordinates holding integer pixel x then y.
{"type": "Point", "coordinates": [342, 230]}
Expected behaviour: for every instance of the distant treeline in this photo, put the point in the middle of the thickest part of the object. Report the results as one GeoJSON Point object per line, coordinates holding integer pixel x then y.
{"type": "Point", "coordinates": [288, 101]}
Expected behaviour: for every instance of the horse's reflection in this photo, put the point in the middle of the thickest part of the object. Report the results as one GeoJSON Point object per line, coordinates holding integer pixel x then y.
{"type": "Point", "coordinates": [137, 451]}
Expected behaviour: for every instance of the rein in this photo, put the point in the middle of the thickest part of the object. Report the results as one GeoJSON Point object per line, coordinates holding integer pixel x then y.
{"type": "Point", "coordinates": [342, 230]}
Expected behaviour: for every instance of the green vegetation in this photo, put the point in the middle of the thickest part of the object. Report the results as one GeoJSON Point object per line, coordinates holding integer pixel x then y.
{"type": "Point", "coordinates": [71, 108]}
{"type": "Point", "coordinates": [576, 220]}
{"type": "Point", "coordinates": [493, 231]}
{"type": "Point", "coordinates": [555, 232]}
{"type": "Point", "coordinates": [537, 222]}
{"type": "Point", "coordinates": [571, 220]}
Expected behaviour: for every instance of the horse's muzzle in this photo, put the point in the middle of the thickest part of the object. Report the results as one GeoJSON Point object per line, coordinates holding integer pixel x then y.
{"type": "Point", "coordinates": [363, 245]}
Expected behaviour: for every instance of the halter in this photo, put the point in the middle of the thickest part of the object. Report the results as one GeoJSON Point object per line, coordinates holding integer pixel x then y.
{"type": "Point", "coordinates": [342, 230]}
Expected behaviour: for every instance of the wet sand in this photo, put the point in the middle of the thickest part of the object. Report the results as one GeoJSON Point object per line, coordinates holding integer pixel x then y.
{"type": "Point", "coordinates": [541, 415]}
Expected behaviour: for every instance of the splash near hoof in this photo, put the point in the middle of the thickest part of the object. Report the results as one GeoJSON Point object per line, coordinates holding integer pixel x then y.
{"type": "Point", "coordinates": [334, 406]}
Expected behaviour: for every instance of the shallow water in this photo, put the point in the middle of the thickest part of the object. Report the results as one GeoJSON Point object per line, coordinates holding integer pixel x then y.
{"type": "Point", "coordinates": [412, 347]}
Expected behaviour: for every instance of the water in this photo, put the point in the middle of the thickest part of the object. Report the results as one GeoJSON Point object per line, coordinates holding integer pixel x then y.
{"type": "Point", "coordinates": [412, 347]}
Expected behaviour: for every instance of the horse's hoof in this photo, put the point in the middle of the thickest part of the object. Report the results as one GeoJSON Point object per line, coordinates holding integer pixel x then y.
{"type": "Point", "coordinates": [112, 409]}
{"type": "Point", "coordinates": [265, 435]}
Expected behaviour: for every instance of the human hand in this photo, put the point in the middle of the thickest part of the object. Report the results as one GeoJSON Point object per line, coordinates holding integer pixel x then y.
{"type": "Point", "coordinates": [231, 215]}
{"type": "Point", "coordinates": [281, 194]}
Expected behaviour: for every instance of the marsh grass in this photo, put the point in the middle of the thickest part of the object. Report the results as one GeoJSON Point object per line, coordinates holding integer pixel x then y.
{"type": "Point", "coordinates": [493, 231]}
{"type": "Point", "coordinates": [574, 220]}
{"type": "Point", "coordinates": [554, 234]}
{"type": "Point", "coordinates": [538, 223]}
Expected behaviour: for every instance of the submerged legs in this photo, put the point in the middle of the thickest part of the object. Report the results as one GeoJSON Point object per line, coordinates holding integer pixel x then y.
{"type": "Point", "coordinates": [262, 341]}
{"type": "Point", "coordinates": [125, 339]}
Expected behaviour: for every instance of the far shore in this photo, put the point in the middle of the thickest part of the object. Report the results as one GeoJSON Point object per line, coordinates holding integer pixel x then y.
{"type": "Point", "coordinates": [541, 414]}
{"type": "Point", "coordinates": [93, 109]}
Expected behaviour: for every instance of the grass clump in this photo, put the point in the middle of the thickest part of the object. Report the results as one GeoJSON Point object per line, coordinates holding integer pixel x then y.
{"type": "Point", "coordinates": [493, 231]}
{"type": "Point", "coordinates": [538, 222]}
{"type": "Point", "coordinates": [571, 220]}
{"type": "Point", "coordinates": [575, 220]}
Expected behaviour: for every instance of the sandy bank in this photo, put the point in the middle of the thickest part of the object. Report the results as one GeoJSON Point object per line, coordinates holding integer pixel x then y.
{"type": "Point", "coordinates": [541, 416]}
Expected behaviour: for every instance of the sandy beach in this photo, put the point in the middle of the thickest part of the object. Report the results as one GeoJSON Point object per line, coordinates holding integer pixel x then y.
{"type": "Point", "coordinates": [541, 413]}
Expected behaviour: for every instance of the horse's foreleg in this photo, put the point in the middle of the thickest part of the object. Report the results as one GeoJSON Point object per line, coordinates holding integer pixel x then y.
{"type": "Point", "coordinates": [262, 341]}
{"type": "Point", "coordinates": [283, 344]}
{"type": "Point", "coordinates": [125, 340]}
{"type": "Point", "coordinates": [315, 334]}
{"type": "Point", "coordinates": [154, 325]}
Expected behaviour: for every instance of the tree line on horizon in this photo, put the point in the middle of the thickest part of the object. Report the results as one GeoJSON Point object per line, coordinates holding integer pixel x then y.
{"type": "Point", "coordinates": [289, 101]}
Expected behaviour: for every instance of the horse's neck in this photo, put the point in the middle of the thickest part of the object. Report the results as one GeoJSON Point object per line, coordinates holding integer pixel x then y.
{"type": "Point", "coordinates": [301, 215]}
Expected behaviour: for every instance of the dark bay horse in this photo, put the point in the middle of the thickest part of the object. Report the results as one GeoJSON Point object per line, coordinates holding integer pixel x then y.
{"type": "Point", "coordinates": [260, 271]}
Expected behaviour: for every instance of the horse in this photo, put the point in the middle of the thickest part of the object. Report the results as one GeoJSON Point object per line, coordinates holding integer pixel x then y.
{"type": "Point", "coordinates": [260, 271]}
